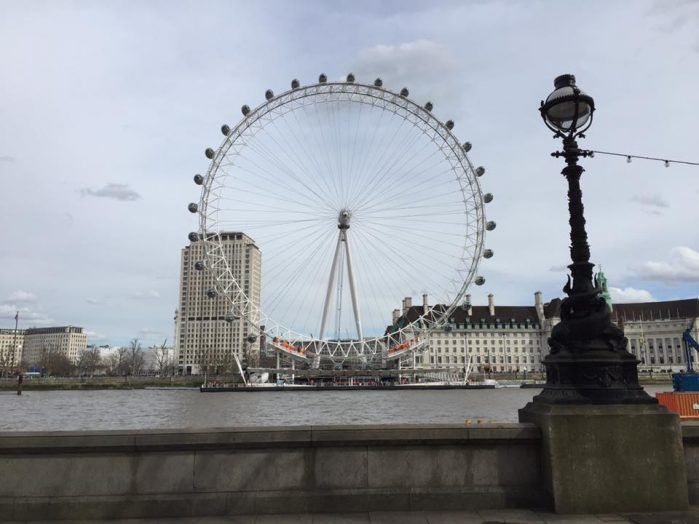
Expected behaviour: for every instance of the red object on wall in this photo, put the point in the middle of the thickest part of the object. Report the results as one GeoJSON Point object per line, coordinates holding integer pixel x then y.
{"type": "Point", "coordinates": [686, 405]}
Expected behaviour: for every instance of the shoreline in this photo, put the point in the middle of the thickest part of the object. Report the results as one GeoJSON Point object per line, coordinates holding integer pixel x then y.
{"type": "Point", "coordinates": [176, 383]}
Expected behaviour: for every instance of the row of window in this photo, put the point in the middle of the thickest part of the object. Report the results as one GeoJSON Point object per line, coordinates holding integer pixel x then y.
{"type": "Point", "coordinates": [484, 360]}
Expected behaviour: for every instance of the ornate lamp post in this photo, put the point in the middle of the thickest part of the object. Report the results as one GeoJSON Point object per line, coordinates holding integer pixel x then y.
{"type": "Point", "coordinates": [588, 362]}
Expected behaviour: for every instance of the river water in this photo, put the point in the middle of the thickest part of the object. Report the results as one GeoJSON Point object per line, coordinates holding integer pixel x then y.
{"type": "Point", "coordinates": [187, 408]}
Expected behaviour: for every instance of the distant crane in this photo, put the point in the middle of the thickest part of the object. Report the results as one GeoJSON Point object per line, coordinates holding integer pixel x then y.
{"type": "Point", "coordinates": [689, 381]}
{"type": "Point", "coordinates": [689, 344]}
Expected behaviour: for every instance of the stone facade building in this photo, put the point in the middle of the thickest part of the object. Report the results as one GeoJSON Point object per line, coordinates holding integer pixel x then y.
{"type": "Point", "coordinates": [204, 338]}
{"type": "Point", "coordinates": [655, 329]}
{"type": "Point", "coordinates": [514, 338]}
{"type": "Point", "coordinates": [11, 344]}
{"type": "Point", "coordinates": [493, 338]}
{"type": "Point", "coordinates": [66, 340]}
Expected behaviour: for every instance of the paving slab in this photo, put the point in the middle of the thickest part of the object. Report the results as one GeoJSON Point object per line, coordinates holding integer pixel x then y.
{"type": "Point", "coordinates": [303, 518]}
{"type": "Point", "coordinates": [453, 517]}
{"type": "Point", "coordinates": [398, 517]}
{"type": "Point", "coordinates": [510, 516]}
{"type": "Point", "coordinates": [552, 518]}
{"type": "Point", "coordinates": [341, 518]}
{"type": "Point", "coordinates": [667, 517]}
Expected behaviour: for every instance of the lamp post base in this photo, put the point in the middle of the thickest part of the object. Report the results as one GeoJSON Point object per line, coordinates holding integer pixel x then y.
{"type": "Point", "coordinates": [595, 378]}
{"type": "Point", "coordinates": [610, 459]}
{"type": "Point", "coordinates": [588, 362]}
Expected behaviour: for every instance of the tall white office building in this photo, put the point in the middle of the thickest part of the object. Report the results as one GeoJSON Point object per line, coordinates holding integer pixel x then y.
{"type": "Point", "coordinates": [69, 341]}
{"type": "Point", "coordinates": [204, 338]}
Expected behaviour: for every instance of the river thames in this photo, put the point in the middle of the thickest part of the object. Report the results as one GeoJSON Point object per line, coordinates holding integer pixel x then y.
{"type": "Point", "coordinates": [188, 408]}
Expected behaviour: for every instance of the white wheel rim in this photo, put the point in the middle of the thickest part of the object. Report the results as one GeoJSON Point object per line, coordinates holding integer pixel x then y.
{"type": "Point", "coordinates": [224, 189]}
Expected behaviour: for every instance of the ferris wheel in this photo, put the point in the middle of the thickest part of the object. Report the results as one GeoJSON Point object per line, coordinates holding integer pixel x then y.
{"type": "Point", "coordinates": [356, 197]}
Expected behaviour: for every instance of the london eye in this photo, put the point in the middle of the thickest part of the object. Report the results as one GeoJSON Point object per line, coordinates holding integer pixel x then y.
{"type": "Point", "coordinates": [356, 196]}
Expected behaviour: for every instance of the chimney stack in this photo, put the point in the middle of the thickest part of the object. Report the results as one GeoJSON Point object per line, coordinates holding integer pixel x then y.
{"type": "Point", "coordinates": [425, 307]}
{"type": "Point", "coordinates": [491, 304]}
{"type": "Point", "coordinates": [539, 305]}
{"type": "Point", "coordinates": [403, 307]}
{"type": "Point", "coordinates": [408, 303]}
{"type": "Point", "coordinates": [468, 306]}
{"type": "Point", "coordinates": [396, 315]}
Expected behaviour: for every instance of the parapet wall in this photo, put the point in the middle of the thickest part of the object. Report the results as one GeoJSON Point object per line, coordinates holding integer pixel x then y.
{"type": "Point", "coordinates": [690, 440]}
{"type": "Point", "coordinates": [161, 473]}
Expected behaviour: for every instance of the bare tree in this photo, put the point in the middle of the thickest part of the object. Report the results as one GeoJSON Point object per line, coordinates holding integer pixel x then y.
{"type": "Point", "coordinates": [53, 361]}
{"type": "Point", "coordinates": [8, 361]}
{"type": "Point", "coordinates": [89, 361]}
{"type": "Point", "coordinates": [135, 360]}
{"type": "Point", "coordinates": [117, 362]}
{"type": "Point", "coordinates": [205, 359]}
{"type": "Point", "coordinates": [163, 363]}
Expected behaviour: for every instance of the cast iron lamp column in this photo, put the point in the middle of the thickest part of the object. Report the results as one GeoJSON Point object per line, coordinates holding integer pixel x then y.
{"type": "Point", "coordinates": [588, 362]}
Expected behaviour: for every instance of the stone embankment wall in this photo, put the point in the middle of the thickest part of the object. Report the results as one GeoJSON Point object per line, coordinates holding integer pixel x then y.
{"type": "Point", "coordinates": [123, 474]}
{"type": "Point", "coordinates": [160, 473]}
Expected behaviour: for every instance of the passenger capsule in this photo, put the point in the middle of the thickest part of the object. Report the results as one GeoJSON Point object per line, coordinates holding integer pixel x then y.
{"type": "Point", "coordinates": [193, 237]}
{"type": "Point", "coordinates": [211, 293]}
{"type": "Point", "coordinates": [378, 82]}
{"type": "Point", "coordinates": [193, 208]}
{"type": "Point", "coordinates": [225, 130]}
{"type": "Point", "coordinates": [467, 146]}
{"type": "Point", "coordinates": [198, 180]}
{"type": "Point", "coordinates": [450, 124]}
{"type": "Point", "coordinates": [269, 94]}
{"type": "Point", "coordinates": [295, 84]}
{"type": "Point", "coordinates": [251, 339]}
{"type": "Point", "coordinates": [404, 92]}
{"type": "Point", "coordinates": [209, 153]}
{"type": "Point", "coordinates": [350, 78]}
{"type": "Point", "coordinates": [245, 110]}
{"type": "Point", "coordinates": [429, 106]}
{"type": "Point", "coordinates": [487, 198]}
{"type": "Point", "coordinates": [488, 253]}
{"type": "Point", "coordinates": [490, 225]}
{"type": "Point", "coordinates": [199, 265]}
{"type": "Point", "coordinates": [322, 78]}
{"type": "Point", "coordinates": [480, 281]}
{"type": "Point", "coordinates": [480, 171]}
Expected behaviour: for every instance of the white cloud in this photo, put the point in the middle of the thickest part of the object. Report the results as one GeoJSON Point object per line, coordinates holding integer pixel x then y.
{"type": "Point", "coordinates": [682, 267]}
{"type": "Point", "coordinates": [20, 296]}
{"type": "Point", "coordinates": [150, 334]}
{"type": "Point", "coordinates": [116, 191]}
{"type": "Point", "coordinates": [650, 200]}
{"type": "Point", "coordinates": [630, 294]}
{"type": "Point", "coordinates": [27, 316]}
{"type": "Point", "coordinates": [425, 67]}
{"type": "Point", "coordinates": [146, 295]}
{"type": "Point", "coordinates": [95, 337]}
{"type": "Point", "coordinates": [94, 301]}
{"type": "Point", "coordinates": [7, 158]}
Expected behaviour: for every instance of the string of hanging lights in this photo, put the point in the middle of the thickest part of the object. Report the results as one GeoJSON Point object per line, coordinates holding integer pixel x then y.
{"type": "Point", "coordinates": [666, 161]}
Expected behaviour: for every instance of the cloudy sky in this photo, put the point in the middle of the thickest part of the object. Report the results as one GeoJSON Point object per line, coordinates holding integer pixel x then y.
{"type": "Point", "coordinates": [106, 107]}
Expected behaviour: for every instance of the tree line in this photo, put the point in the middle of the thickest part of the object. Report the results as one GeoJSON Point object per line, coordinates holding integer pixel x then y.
{"type": "Point", "coordinates": [124, 361]}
